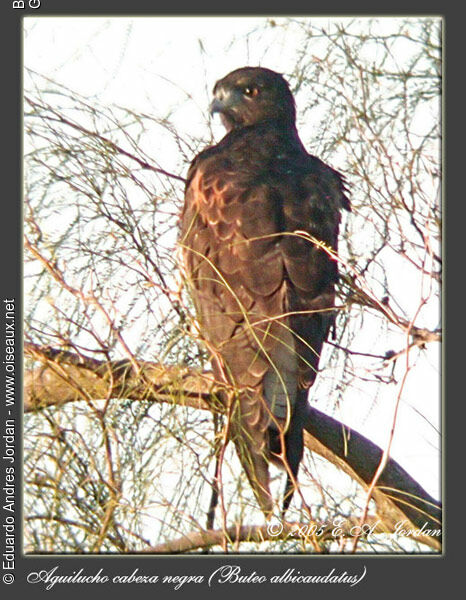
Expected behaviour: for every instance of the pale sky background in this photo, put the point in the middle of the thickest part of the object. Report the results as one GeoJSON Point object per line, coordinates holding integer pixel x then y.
{"type": "Point", "coordinates": [154, 65]}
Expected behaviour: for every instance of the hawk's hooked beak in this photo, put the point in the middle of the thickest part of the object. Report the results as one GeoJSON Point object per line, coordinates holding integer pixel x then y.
{"type": "Point", "coordinates": [215, 106]}
{"type": "Point", "coordinates": [224, 100]}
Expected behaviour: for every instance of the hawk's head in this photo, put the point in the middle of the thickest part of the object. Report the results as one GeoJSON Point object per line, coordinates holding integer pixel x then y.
{"type": "Point", "coordinates": [252, 95]}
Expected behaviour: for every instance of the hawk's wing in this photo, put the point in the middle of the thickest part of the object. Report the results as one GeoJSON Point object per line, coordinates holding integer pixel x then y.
{"type": "Point", "coordinates": [262, 288]}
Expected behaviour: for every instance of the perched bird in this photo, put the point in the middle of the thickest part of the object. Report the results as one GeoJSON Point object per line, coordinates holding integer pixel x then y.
{"type": "Point", "coordinates": [259, 230]}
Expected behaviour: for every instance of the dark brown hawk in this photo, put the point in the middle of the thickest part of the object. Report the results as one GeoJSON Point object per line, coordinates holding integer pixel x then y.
{"type": "Point", "coordinates": [260, 214]}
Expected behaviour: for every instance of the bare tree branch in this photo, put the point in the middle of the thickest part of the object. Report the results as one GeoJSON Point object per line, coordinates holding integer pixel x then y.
{"type": "Point", "coordinates": [263, 533]}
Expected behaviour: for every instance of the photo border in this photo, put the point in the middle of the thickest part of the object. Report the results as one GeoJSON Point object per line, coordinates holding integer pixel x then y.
{"type": "Point", "coordinates": [391, 572]}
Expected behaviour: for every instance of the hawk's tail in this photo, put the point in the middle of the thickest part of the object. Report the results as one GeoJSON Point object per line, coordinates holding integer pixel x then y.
{"type": "Point", "coordinates": [248, 431]}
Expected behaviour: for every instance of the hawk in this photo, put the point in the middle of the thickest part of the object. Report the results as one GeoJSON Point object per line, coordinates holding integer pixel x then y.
{"type": "Point", "coordinates": [259, 230]}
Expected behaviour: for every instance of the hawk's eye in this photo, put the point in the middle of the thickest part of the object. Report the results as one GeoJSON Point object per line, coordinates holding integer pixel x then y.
{"type": "Point", "coordinates": [250, 91]}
